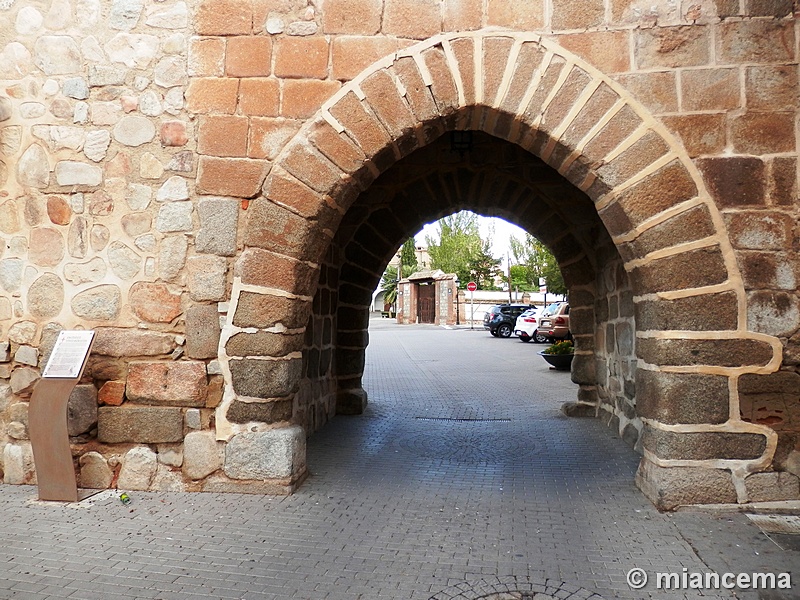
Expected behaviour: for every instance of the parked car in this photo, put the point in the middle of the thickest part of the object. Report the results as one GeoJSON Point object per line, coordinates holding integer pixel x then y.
{"type": "Point", "coordinates": [501, 318]}
{"type": "Point", "coordinates": [527, 326]}
{"type": "Point", "coordinates": [555, 323]}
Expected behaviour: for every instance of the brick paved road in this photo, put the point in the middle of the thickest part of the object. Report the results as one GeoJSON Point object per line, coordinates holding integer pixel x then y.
{"type": "Point", "coordinates": [462, 480]}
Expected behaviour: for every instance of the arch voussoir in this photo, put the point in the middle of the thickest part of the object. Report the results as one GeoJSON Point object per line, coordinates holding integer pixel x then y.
{"type": "Point", "coordinates": [672, 302]}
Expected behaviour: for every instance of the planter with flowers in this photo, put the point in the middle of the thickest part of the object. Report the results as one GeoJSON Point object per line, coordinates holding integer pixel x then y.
{"type": "Point", "coordinates": [559, 355]}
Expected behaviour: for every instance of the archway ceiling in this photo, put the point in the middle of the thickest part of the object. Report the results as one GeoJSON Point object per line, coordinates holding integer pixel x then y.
{"type": "Point", "coordinates": [494, 178]}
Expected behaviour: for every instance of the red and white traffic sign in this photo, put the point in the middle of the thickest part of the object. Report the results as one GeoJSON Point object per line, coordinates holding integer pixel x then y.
{"type": "Point", "coordinates": [472, 286]}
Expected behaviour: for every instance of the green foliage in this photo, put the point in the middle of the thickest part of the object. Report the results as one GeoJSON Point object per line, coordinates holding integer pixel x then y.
{"type": "Point", "coordinates": [461, 250]}
{"type": "Point", "coordinates": [389, 283]}
{"type": "Point", "coordinates": [564, 347]}
{"type": "Point", "coordinates": [408, 254]}
{"type": "Point", "coordinates": [536, 261]}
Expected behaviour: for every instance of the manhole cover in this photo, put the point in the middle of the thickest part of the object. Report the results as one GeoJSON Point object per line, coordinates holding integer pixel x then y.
{"type": "Point", "coordinates": [468, 441]}
{"type": "Point", "coordinates": [515, 588]}
{"type": "Point", "coordinates": [789, 524]}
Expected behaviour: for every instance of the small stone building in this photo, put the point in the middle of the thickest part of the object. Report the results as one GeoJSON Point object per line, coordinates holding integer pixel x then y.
{"type": "Point", "coordinates": [428, 297]}
{"type": "Point", "coordinates": [215, 188]}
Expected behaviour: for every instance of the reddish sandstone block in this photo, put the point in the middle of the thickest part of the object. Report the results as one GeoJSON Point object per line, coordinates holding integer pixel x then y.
{"type": "Point", "coordinates": [415, 19]}
{"type": "Point", "coordinates": [248, 56]}
{"type": "Point", "coordinates": [734, 181]}
{"type": "Point", "coordinates": [683, 46]}
{"type": "Point", "coordinates": [694, 269]}
{"type": "Point", "coordinates": [355, 17]}
{"type": "Point", "coordinates": [337, 147]}
{"type": "Point", "coordinates": [386, 102]}
{"type": "Point", "coordinates": [351, 55]}
{"type": "Point", "coordinates": [609, 51]}
{"type": "Point", "coordinates": [669, 186]}
{"type": "Point", "coordinates": [368, 133]}
{"type": "Point", "coordinates": [206, 57]}
{"type": "Point", "coordinates": [657, 90]}
{"type": "Point", "coordinates": [238, 177]}
{"type": "Point", "coordinates": [298, 196]}
{"type": "Point", "coordinates": [516, 15]}
{"type": "Point", "coordinates": [301, 57]}
{"type": "Point", "coordinates": [212, 94]}
{"type": "Point", "coordinates": [312, 168]}
{"type": "Point", "coordinates": [763, 133]}
{"type": "Point", "coordinates": [303, 97]}
{"type": "Point", "coordinates": [463, 15]}
{"type": "Point", "coordinates": [782, 181]}
{"type": "Point", "coordinates": [496, 52]}
{"type": "Point", "coordinates": [271, 270]}
{"type": "Point", "coordinates": [153, 302]}
{"type": "Point", "coordinates": [464, 53]}
{"type": "Point", "coordinates": [760, 230]}
{"type": "Point", "coordinates": [112, 393]}
{"type": "Point", "coordinates": [267, 137]}
{"type": "Point", "coordinates": [700, 134]}
{"type": "Point", "coordinates": [568, 14]}
{"type": "Point", "coordinates": [259, 97]}
{"type": "Point", "coordinates": [173, 133]}
{"type": "Point", "coordinates": [275, 228]}
{"type": "Point", "coordinates": [174, 383]}
{"type": "Point", "coordinates": [223, 135]}
{"type": "Point", "coordinates": [264, 311]}
{"type": "Point", "coordinates": [224, 17]}
{"type": "Point", "coordinates": [444, 86]}
{"type": "Point", "coordinates": [417, 93]}
{"type": "Point", "coordinates": [771, 87]}
{"type": "Point", "coordinates": [710, 89]}
{"type": "Point", "coordinates": [755, 41]}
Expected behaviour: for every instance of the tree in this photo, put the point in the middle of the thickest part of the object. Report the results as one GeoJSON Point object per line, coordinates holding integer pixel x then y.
{"type": "Point", "coordinates": [461, 250]}
{"type": "Point", "coordinates": [538, 262]}
{"type": "Point", "coordinates": [483, 266]}
{"type": "Point", "coordinates": [408, 254]}
{"type": "Point", "coordinates": [389, 283]}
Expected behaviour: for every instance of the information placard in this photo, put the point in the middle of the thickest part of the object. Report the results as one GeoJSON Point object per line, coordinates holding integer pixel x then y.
{"type": "Point", "coordinates": [69, 353]}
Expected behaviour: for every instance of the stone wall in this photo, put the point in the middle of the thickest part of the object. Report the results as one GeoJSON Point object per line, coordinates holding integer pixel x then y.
{"type": "Point", "coordinates": [174, 174]}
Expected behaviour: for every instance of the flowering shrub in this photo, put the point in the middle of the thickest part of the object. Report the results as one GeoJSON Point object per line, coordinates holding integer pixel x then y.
{"type": "Point", "coordinates": [564, 347]}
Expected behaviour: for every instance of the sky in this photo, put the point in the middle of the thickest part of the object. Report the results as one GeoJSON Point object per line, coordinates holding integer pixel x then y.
{"type": "Point", "coordinates": [498, 229]}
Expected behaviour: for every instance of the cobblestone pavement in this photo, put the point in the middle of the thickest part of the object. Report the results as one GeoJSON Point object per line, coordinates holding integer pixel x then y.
{"type": "Point", "coordinates": [462, 480]}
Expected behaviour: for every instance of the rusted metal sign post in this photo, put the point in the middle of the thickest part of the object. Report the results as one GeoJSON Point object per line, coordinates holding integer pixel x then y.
{"type": "Point", "coordinates": [47, 416]}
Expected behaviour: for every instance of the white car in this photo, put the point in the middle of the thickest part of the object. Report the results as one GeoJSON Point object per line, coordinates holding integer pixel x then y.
{"type": "Point", "coordinates": [527, 326]}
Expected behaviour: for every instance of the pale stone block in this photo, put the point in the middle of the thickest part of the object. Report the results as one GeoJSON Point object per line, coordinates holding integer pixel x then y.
{"type": "Point", "coordinates": [207, 277]}
{"type": "Point", "coordinates": [95, 473]}
{"type": "Point", "coordinates": [192, 418]}
{"type": "Point", "coordinates": [174, 216]}
{"type": "Point", "coordinates": [33, 168]}
{"type": "Point", "coordinates": [18, 463]}
{"type": "Point", "coordinates": [170, 454]}
{"type": "Point", "coordinates": [82, 409]}
{"type": "Point", "coordinates": [23, 379]}
{"type": "Point", "coordinates": [135, 51]}
{"type": "Point", "coordinates": [27, 355]}
{"type": "Point", "coordinates": [138, 469]}
{"type": "Point", "coordinates": [173, 189]}
{"type": "Point", "coordinates": [273, 454]}
{"type": "Point", "coordinates": [133, 130]}
{"type": "Point", "coordinates": [57, 55]}
{"type": "Point", "coordinates": [201, 456]}
{"type": "Point", "coordinates": [218, 225]}
{"type": "Point", "coordinates": [69, 172]}
{"type": "Point", "coordinates": [167, 480]}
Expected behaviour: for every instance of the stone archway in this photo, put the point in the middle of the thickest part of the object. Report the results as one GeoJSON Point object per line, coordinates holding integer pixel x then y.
{"type": "Point", "coordinates": [528, 91]}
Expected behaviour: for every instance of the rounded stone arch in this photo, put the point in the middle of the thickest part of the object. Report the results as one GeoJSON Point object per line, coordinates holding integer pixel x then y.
{"type": "Point", "coordinates": [527, 90]}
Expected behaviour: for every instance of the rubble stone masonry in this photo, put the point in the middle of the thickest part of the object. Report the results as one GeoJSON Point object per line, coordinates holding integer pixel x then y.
{"type": "Point", "coordinates": [215, 187]}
